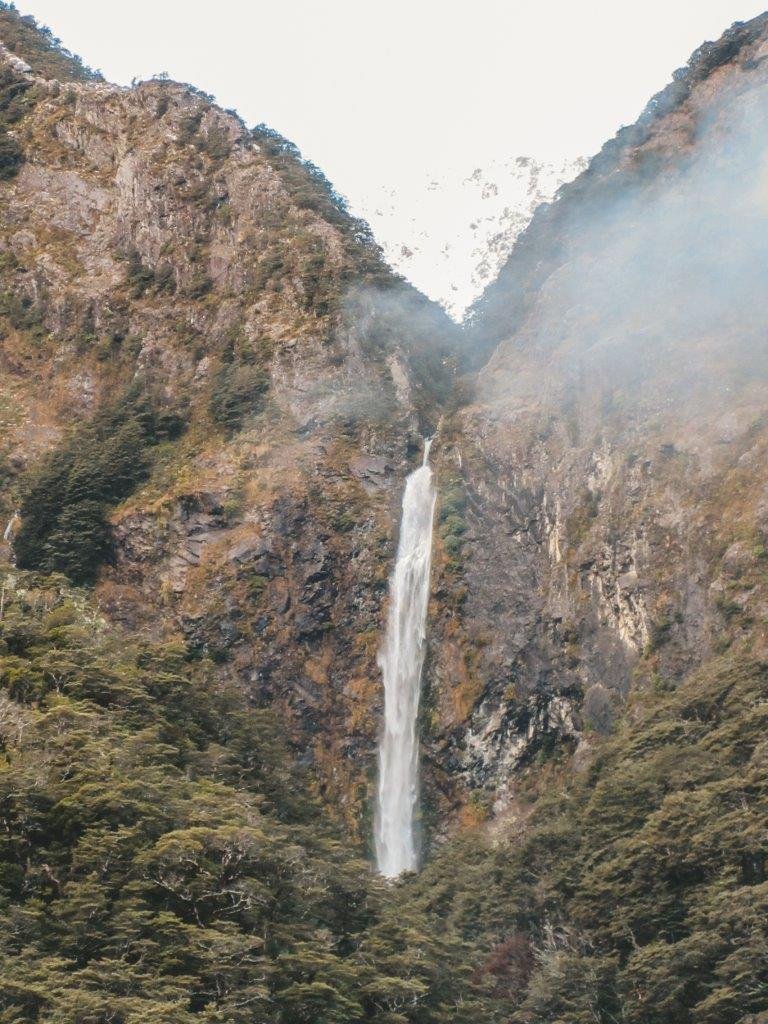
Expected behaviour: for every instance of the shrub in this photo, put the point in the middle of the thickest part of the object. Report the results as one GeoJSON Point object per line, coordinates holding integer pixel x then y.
{"type": "Point", "coordinates": [451, 519]}
{"type": "Point", "coordinates": [165, 279]}
{"type": "Point", "coordinates": [189, 127]}
{"type": "Point", "coordinates": [16, 96]}
{"type": "Point", "coordinates": [217, 144]}
{"type": "Point", "coordinates": [345, 520]}
{"type": "Point", "coordinates": [11, 157]}
{"type": "Point", "coordinates": [256, 583]}
{"type": "Point", "coordinates": [37, 45]}
{"type": "Point", "coordinates": [198, 286]}
{"type": "Point", "coordinates": [238, 391]}
{"type": "Point", "coordinates": [63, 510]}
{"type": "Point", "coordinates": [22, 314]}
{"type": "Point", "coordinates": [139, 277]}
{"type": "Point", "coordinates": [728, 607]}
{"type": "Point", "coordinates": [660, 634]}
{"type": "Point", "coordinates": [163, 858]}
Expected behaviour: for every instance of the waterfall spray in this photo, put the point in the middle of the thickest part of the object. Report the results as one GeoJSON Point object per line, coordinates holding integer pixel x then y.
{"type": "Point", "coordinates": [401, 659]}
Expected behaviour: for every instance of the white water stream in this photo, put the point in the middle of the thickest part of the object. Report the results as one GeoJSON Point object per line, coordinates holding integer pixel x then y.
{"type": "Point", "coordinates": [401, 659]}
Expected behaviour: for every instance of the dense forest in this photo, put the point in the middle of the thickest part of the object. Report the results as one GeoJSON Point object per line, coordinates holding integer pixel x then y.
{"type": "Point", "coordinates": [163, 858]}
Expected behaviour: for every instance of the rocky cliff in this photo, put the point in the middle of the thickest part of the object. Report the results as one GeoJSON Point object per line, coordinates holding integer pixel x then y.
{"type": "Point", "coordinates": [607, 475]}
{"type": "Point", "coordinates": [196, 332]}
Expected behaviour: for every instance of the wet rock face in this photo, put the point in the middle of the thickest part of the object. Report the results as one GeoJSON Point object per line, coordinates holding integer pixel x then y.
{"type": "Point", "coordinates": [577, 594]}
{"type": "Point", "coordinates": [611, 532]}
{"type": "Point", "coordinates": [194, 522]}
{"type": "Point", "coordinates": [284, 592]}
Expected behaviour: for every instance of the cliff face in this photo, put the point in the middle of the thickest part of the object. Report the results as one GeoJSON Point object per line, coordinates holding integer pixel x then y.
{"type": "Point", "coordinates": [612, 460]}
{"type": "Point", "coordinates": [193, 325]}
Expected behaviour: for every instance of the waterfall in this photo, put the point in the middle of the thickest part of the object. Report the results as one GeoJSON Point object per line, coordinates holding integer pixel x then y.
{"type": "Point", "coordinates": [10, 529]}
{"type": "Point", "coordinates": [401, 659]}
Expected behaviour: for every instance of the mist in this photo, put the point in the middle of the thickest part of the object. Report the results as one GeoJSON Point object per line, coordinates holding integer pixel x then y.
{"type": "Point", "coordinates": [656, 288]}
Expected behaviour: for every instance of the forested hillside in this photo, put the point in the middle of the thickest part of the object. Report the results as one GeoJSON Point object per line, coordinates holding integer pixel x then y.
{"type": "Point", "coordinates": [162, 858]}
{"type": "Point", "coordinates": [212, 392]}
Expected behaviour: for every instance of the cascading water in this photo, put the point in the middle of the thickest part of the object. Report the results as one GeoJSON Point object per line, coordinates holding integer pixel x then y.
{"type": "Point", "coordinates": [401, 659]}
{"type": "Point", "coordinates": [10, 529]}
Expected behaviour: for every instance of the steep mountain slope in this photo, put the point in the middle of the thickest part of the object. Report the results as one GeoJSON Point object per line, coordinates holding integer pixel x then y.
{"type": "Point", "coordinates": [220, 365]}
{"type": "Point", "coordinates": [610, 464]}
{"type": "Point", "coordinates": [598, 674]}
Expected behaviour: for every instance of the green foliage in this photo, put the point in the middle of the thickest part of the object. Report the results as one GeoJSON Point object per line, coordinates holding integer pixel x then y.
{"type": "Point", "coordinates": [256, 584]}
{"type": "Point", "coordinates": [142, 279]}
{"type": "Point", "coordinates": [14, 102]}
{"type": "Point", "coordinates": [22, 313]}
{"type": "Point", "coordinates": [451, 520]}
{"type": "Point", "coordinates": [729, 608]}
{"type": "Point", "coordinates": [309, 187]}
{"type": "Point", "coordinates": [138, 276]}
{"type": "Point", "coordinates": [15, 93]}
{"type": "Point", "coordinates": [453, 504]}
{"type": "Point", "coordinates": [165, 279]}
{"type": "Point", "coordinates": [582, 517]}
{"type": "Point", "coordinates": [237, 393]}
{"type": "Point", "coordinates": [40, 49]}
{"type": "Point", "coordinates": [660, 634]}
{"type": "Point", "coordinates": [316, 277]}
{"type": "Point", "coordinates": [344, 520]}
{"type": "Point", "coordinates": [198, 286]}
{"type": "Point", "coordinates": [217, 144]}
{"type": "Point", "coordinates": [63, 510]}
{"type": "Point", "coordinates": [644, 888]}
{"type": "Point", "coordinates": [189, 126]}
{"type": "Point", "coordinates": [11, 157]}
{"type": "Point", "coordinates": [7, 471]}
{"type": "Point", "coordinates": [161, 858]}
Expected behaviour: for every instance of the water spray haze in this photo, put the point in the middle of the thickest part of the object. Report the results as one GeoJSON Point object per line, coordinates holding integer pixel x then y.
{"type": "Point", "coordinates": [641, 292]}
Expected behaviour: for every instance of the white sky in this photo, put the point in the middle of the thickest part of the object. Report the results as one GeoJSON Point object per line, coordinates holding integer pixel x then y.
{"type": "Point", "coordinates": [399, 101]}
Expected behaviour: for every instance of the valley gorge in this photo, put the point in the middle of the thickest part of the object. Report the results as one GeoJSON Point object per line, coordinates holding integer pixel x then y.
{"type": "Point", "coordinates": [258, 638]}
